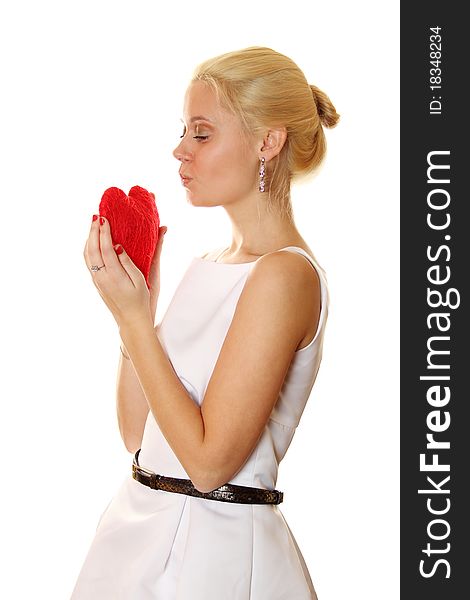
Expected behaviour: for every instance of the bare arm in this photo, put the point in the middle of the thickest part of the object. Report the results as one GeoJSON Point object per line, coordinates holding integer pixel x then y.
{"type": "Point", "coordinates": [131, 405]}
{"type": "Point", "coordinates": [212, 441]}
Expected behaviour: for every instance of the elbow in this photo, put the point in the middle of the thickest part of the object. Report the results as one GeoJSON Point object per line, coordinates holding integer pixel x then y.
{"type": "Point", "coordinates": [131, 446]}
{"type": "Point", "coordinates": [132, 442]}
{"type": "Point", "coordinates": [131, 431]}
{"type": "Point", "coordinates": [211, 476]}
{"type": "Point", "coordinates": [205, 485]}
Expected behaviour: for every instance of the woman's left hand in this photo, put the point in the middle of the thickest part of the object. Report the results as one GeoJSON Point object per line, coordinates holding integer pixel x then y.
{"type": "Point", "coordinates": [120, 283]}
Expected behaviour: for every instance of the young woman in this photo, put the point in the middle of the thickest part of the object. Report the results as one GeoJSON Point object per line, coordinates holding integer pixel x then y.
{"type": "Point", "coordinates": [210, 398]}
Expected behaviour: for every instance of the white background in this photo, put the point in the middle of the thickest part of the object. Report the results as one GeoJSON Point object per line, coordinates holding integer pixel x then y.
{"type": "Point", "coordinates": [92, 97]}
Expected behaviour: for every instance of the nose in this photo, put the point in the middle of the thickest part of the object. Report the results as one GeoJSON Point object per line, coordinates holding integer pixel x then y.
{"type": "Point", "coordinates": [181, 153]}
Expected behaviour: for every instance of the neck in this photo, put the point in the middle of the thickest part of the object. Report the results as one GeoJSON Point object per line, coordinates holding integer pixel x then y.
{"type": "Point", "coordinates": [257, 230]}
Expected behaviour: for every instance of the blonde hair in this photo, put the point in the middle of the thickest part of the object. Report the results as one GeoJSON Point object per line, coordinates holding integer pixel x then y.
{"type": "Point", "coordinates": [267, 89]}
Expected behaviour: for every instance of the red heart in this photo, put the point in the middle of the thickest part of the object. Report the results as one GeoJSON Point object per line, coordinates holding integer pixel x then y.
{"type": "Point", "coordinates": [134, 223]}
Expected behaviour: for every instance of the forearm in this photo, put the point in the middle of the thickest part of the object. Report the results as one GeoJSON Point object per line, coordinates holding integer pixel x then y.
{"type": "Point", "coordinates": [131, 405]}
{"type": "Point", "coordinates": [176, 413]}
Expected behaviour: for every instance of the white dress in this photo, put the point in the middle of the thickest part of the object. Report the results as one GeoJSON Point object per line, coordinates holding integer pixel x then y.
{"type": "Point", "coordinates": [157, 545]}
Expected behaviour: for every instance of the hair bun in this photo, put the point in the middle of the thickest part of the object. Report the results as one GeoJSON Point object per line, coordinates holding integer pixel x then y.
{"type": "Point", "coordinates": [326, 111]}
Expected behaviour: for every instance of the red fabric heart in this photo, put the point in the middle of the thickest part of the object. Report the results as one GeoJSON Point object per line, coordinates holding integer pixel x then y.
{"type": "Point", "coordinates": [134, 223]}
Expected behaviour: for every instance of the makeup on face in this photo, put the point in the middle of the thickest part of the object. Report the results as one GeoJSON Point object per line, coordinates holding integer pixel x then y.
{"type": "Point", "coordinates": [201, 130]}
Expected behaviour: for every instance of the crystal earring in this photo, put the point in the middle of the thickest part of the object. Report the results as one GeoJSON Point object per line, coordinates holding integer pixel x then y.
{"type": "Point", "coordinates": [261, 174]}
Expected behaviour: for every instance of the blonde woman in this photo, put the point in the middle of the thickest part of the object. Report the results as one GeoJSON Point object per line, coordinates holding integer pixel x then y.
{"type": "Point", "coordinates": [209, 399]}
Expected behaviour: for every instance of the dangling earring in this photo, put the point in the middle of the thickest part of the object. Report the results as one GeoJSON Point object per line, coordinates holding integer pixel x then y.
{"type": "Point", "coordinates": [261, 174]}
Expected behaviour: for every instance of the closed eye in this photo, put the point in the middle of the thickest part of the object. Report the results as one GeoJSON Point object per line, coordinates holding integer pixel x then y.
{"type": "Point", "coordinates": [197, 137]}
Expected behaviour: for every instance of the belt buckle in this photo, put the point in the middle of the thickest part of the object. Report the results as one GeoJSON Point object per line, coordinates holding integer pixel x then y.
{"type": "Point", "coordinates": [147, 473]}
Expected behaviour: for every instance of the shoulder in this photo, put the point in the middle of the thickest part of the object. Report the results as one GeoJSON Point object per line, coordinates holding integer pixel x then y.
{"type": "Point", "coordinates": [290, 273]}
{"type": "Point", "coordinates": [283, 287]}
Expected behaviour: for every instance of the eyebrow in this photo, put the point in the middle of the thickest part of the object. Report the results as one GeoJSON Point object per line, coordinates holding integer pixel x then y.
{"type": "Point", "coordinates": [198, 118]}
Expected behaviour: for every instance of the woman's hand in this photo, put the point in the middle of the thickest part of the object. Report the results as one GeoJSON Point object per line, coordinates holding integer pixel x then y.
{"type": "Point", "coordinates": [119, 282]}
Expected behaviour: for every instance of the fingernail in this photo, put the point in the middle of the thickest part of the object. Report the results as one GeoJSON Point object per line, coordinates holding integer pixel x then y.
{"type": "Point", "coordinates": [119, 249]}
{"type": "Point", "coordinates": [95, 217]}
{"type": "Point", "coordinates": [101, 221]}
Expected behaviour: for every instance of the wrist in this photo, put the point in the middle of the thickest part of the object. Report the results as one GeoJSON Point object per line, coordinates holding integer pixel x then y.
{"type": "Point", "coordinates": [135, 321]}
{"type": "Point", "coordinates": [132, 332]}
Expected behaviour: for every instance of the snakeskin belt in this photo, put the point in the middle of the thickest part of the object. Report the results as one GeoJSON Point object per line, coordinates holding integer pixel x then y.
{"type": "Point", "coordinates": [225, 493]}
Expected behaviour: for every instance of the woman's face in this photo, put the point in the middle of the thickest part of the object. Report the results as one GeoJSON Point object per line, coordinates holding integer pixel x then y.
{"type": "Point", "coordinates": [219, 166]}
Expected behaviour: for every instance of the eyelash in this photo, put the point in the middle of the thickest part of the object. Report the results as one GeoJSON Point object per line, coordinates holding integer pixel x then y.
{"type": "Point", "coordinates": [197, 137]}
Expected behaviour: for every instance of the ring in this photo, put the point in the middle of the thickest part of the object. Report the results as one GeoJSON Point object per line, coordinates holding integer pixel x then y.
{"type": "Point", "coordinates": [96, 268]}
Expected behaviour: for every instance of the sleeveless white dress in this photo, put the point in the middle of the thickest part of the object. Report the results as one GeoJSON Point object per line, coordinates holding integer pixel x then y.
{"type": "Point", "coordinates": [157, 545]}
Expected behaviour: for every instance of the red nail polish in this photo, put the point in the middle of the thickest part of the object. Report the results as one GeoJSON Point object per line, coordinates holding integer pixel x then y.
{"type": "Point", "coordinates": [119, 249]}
{"type": "Point", "coordinates": [101, 221]}
{"type": "Point", "coordinates": [95, 217]}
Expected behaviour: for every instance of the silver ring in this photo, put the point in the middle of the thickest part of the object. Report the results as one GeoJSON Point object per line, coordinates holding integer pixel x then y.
{"type": "Point", "coordinates": [96, 268]}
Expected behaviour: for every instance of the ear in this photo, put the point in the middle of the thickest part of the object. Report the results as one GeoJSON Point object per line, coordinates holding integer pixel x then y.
{"type": "Point", "coordinates": [273, 142]}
